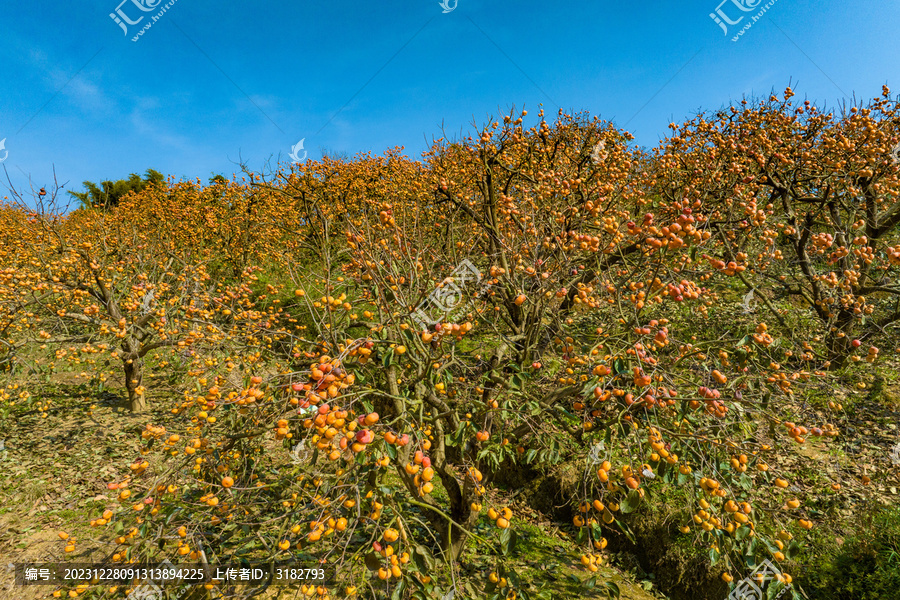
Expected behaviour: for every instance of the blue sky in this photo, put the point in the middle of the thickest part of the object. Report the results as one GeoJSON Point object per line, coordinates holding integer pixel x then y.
{"type": "Point", "coordinates": [213, 83]}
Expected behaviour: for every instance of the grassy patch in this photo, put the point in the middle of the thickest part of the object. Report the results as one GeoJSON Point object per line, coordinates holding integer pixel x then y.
{"type": "Point", "coordinates": [859, 561]}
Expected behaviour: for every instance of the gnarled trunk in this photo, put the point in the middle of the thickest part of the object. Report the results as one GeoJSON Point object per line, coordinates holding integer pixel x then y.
{"type": "Point", "coordinates": [134, 374]}
{"type": "Point", "coordinates": [453, 538]}
{"type": "Point", "coordinates": [454, 534]}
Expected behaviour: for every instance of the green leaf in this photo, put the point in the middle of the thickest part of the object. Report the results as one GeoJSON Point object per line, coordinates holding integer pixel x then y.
{"type": "Point", "coordinates": [373, 563]}
{"type": "Point", "coordinates": [713, 556]}
{"type": "Point", "coordinates": [398, 591]}
{"type": "Point", "coordinates": [423, 559]}
{"type": "Point", "coordinates": [612, 590]}
{"type": "Point", "coordinates": [627, 531]}
{"type": "Point", "coordinates": [792, 549]}
{"type": "Point", "coordinates": [631, 502]}
{"type": "Point", "coordinates": [172, 515]}
{"type": "Point", "coordinates": [507, 541]}
{"type": "Point", "coordinates": [516, 382]}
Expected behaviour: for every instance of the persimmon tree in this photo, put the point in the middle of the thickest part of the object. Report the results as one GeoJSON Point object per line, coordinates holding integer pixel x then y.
{"type": "Point", "coordinates": [98, 282]}
{"type": "Point", "coordinates": [803, 203]}
{"type": "Point", "coordinates": [577, 252]}
{"type": "Point", "coordinates": [228, 225]}
{"type": "Point", "coordinates": [468, 394]}
{"type": "Point", "coordinates": [499, 206]}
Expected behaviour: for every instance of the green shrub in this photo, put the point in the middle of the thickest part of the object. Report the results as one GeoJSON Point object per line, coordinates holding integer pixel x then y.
{"type": "Point", "coordinates": [865, 567]}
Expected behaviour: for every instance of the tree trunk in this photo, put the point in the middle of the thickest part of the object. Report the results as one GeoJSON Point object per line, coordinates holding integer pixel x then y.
{"type": "Point", "coordinates": [453, 538]}
{"type": "Point", "coordinates": [134, 375]}
{"type": "Point", "coordinates": [839, 347]}
{"type": "Point", "coordinates": [453, 542]}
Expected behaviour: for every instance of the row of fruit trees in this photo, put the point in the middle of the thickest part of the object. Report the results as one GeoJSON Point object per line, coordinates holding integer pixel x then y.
{"type": "Point", "coordinates": [353, 350]}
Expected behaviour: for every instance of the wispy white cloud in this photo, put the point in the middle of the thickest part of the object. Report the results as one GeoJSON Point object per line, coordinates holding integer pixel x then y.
{"type": "Point", "coordinates": [155, 131]}
{"type": "Point", "coordinates": [80, 87]}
